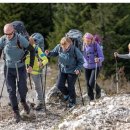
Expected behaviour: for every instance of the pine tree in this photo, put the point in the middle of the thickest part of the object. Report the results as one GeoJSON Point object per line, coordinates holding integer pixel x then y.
{"type": "Point", "coordinates": [9, 13]}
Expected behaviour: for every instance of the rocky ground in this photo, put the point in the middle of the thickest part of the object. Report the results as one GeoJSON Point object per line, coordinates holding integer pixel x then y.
{"type": "Point", "coordinates": [107, 113]}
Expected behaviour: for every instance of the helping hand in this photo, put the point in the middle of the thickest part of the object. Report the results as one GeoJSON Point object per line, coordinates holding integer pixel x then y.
{"type": "Point", "coordinates": [40, 64]}
{"type": "Point", "coordinates": [115, 54]}
{"type": "Point", "coordinates": [96, 60]}
{"type": "Point", "coordinates": [46, 52]}
{"type": "Point", "coordinates": [77, 72]}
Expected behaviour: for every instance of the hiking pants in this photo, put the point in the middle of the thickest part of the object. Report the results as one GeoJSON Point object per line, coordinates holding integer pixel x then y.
{"type": "Point", "coordinates": [70, 90]}
{"type": "Point", "coordinates": [38, 87]}
{"type": "Point", "coordinates": [90, 78]}
{"type": "Point", "coordinates": [11, 85]}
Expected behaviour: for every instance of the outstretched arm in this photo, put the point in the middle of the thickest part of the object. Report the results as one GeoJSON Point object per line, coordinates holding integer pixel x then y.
{"type": "Point", "coordinates": [124, 56]}
{"type": "Point", "coordinates": [54, 52]}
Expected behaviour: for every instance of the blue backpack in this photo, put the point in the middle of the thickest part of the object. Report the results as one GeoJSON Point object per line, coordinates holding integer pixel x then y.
{"type": "Point", "coordinates": [39, 39]}
{"type": "Point", "coordinates": [76, 37]}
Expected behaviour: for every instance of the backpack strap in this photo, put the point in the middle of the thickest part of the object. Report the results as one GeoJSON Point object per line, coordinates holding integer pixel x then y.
{"type": "Point", "coordinates": [95, 50]}
{"type": "Point", "coordinates": [18, 43]}
{"type": "Point", "coordinates": [59, 49]}
{"type": "Point", "coordinates": [36, 52]}
{"type": "Point", "coordinates": [74, 52]}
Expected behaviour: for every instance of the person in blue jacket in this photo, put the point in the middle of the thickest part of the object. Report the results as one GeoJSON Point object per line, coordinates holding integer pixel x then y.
{"type": "Point", "coordinates": [70, 64]}
{"type": "Point", "coordinates": [93, 58]}
{"type": "Point", "coordinates": [14, 69]}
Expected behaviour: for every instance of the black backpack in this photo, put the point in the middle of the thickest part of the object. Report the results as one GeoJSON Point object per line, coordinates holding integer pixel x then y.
{"type": "Point", "coordinates": [20, 28]}
{"type": "Point", "coordinates": [76, 37]}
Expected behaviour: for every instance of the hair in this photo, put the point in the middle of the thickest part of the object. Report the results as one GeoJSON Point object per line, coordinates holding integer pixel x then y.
{"type": "Point", "coordinates": [9, 26]}
{"type": "Point", "coordinates": [87, 35]}
{"type": "Point", "coordinates": [65, 40]}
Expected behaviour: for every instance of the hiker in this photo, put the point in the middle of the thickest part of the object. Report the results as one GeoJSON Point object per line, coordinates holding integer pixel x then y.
{"type": "Point", "coordinates": [14, 69]}
{"type": "Point", "coordinates": [70, 64]}
{"type": "Point", "coordinates": [124, 56]}
{"type": "Point", "coordinates": [93, 55]}
{"type": "Point", "coordinates": [36, 74]}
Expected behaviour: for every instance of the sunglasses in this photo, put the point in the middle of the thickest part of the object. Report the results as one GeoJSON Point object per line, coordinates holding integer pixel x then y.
{"type": "Point", "coordinates": [8, 33]}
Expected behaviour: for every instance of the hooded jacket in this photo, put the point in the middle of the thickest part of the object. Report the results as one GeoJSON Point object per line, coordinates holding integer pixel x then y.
{"type": "Point", "coordinates": [69, 60]}
{"type": "Point", "coordinates": [90, 53]}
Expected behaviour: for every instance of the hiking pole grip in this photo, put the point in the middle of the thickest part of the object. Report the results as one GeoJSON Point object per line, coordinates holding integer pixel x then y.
{"type": "Point", "coordinates": [80, 91]}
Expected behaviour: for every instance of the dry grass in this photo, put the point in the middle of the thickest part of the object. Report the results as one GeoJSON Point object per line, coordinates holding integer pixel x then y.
{"type": "Point", "coordinates": [109, 85]}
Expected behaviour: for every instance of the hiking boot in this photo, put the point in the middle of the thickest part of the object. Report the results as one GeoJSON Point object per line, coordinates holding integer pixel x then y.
{"type": "Point", "coordinates": [98, 95]}
{"type": "Point", "coordinates": [26, 107]}
{"type": "Point", "coordinates": [39, 106]}
{"type": "Point", "coordinates": [17, 116]}
{"type": "Point", "coordinates": [9, 104]}
{"type": "Point", "coordinates": [66, 97]}
{"type": "Point", "coordinates": [70, 105]}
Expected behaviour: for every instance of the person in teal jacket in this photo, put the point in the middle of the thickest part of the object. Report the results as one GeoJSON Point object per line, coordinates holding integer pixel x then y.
{"type": "Point", "coordinates": [70, 64]}
{"type": "Point", "coordinates": [14, 69]}
{"type": "Point", "coordinates": [36, 74]}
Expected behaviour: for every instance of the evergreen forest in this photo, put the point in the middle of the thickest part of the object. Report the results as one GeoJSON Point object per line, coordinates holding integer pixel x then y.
{"type": "Point", "coordinates": [53, 20]}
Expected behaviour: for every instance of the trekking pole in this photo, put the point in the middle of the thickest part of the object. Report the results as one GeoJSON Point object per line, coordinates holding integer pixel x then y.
{"type": "Point", "coordinates": [95, 81]}
{"type": "Point", "coordinates": [29, 76]}
{"type": "Point", "coordinates": [117, 83]}
{"type": "Point", "coordinates": [4, 83]}
{"type": "Point", "coordinates": [2, 88]}
{"type": "Point", "coordinates": [80, 91]}
{"type": "Point", "coordinates": [44, 88]}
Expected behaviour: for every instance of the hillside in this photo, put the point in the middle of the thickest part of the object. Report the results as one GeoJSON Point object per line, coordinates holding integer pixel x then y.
{"type": "Point", "coordinates": [107, 113]}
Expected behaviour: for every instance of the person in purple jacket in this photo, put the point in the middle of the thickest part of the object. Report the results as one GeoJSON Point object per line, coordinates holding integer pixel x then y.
{"type": "Point", "coordinates": [93, 58]}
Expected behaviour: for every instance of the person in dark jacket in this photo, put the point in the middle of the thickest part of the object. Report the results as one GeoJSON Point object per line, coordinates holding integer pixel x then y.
{"type": "Point", "coordinates": [70, 64]}
{"type": "Point", "coordinates": [93, 58]}
{"type": "Point", "coordinates": [15, 70]}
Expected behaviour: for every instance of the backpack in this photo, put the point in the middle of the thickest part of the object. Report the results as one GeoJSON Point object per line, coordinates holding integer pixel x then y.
{"type": "Point", "coordinates": [76, 37]}
{"type": "Point", "coordinates": [39, 39]}
{"type": "Point", "coordinates": [20, 28]}
{"type": "Point", "coordinates": [98, 40]}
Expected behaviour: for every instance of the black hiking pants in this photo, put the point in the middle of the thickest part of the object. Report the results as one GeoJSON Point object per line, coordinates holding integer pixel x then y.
{"type": "Point", "coordinates": [11, 81]}
{"type": "Point", "coordinates": [70, 90]}
{"type": "Point", "coordinates": [90, 78]}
